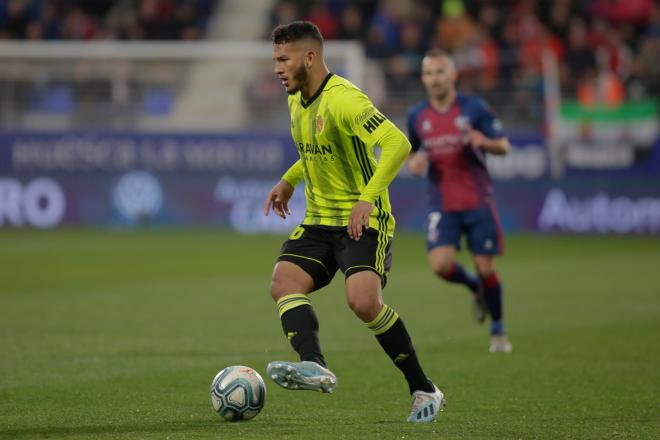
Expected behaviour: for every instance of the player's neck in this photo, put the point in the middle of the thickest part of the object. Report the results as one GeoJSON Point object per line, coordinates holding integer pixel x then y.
{"type": "Point", "coordinates": [316, 79]}
{"type": "Point", "coordinates": [442, 104]}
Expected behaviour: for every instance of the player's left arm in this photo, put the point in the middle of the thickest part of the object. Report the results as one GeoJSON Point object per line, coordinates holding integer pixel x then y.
{"type": "Point", "coordinates": [395, 148]}
{"type": "Point", "coordinates": [361, 118]}
{"type": "Point", "coordinates": [498, 146]}
{"type": "Point", "coordinates": [394, 151]}
{"type": "Point", "coordinates": [488, 133]}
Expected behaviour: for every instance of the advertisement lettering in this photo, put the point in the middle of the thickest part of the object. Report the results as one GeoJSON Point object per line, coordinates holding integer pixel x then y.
{"type": "Point", "coordinates": [600, 213]}
{"type": "Point", "coordinates": [39, 203]}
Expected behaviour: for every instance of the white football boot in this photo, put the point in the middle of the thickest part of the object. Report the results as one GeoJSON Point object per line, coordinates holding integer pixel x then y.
{"type": "Point", "coordinates": [306, 375]}
{"type": "Point", "coordinates": [426, 406]}
{"type": "Point", "coordinates": [500, 343]}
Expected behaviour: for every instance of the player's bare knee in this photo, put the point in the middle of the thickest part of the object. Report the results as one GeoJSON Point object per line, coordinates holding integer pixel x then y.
{"type": "Point", "coordinates": [280, 286]}
{"type": "Point", "coordinates": [364, 310]}
{"type": "Point", "coordinates": [364, 307]}
{"type": "Point", "coordinates": [276, 291]}
{"type": "Point", "coordinates": [442, 268]}
{"type": "Point", "coordinates": [288, 278]}
{"type": "Point", "coordinates": [484, 267]}
{"type": "Point", "coordinates": [485, 272]}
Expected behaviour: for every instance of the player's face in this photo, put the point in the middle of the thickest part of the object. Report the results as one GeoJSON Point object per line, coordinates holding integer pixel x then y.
{"type": "Point", "coordinates": [290, 66]}
{"type": "Point", "coordinates": [438, 76]}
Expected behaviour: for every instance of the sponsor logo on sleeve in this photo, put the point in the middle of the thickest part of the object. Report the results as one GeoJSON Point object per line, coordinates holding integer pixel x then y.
{"type": "Point", "coordinates": [374, 122]}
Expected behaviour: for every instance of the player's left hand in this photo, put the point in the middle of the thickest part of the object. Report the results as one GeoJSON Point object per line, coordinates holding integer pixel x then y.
{"type": "Point", "coordinates": [359, 219]}
{"type": "Point", "coordinates": [475, 138]}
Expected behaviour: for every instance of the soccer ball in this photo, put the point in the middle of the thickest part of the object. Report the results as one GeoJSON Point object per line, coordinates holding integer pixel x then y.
{"type": "Point", "coordinates": [238, 393]}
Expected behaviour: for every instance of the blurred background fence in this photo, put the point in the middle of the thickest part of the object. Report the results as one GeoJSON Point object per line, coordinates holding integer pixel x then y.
{"type": "Point", "coordinates": [166, 112]}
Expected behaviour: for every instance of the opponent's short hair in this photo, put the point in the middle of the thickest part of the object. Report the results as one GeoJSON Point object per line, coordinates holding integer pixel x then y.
{"type": "Point", "coordinates": [437, 53]}
{"type": "Point", "coordinates": [296, 31]}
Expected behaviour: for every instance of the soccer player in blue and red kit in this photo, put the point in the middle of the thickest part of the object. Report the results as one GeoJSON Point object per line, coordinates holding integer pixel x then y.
{"type": "Point", "coordinates": [450, 135]}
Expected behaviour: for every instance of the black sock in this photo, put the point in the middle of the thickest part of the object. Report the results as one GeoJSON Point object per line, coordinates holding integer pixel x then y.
{"type": "Point", "coordinates": [392, 335]}
{"type": "Point", "coordinates": [493, 294]}
{"type": "Point", "coordinates": [458, 274]}
{"type": "Point", "coordinates": [301, 326]}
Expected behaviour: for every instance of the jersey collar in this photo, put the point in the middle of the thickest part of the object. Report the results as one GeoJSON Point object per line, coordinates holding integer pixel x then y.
{"type": "Point", "coordinates": [316, 95]}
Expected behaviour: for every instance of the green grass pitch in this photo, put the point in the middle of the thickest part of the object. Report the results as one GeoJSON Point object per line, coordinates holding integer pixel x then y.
{"type": "Point", "coordinates": [117, 335]}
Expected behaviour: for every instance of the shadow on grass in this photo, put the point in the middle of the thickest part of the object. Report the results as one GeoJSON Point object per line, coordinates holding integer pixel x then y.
{"type": "Point", "coordinates": [273, 428]}
{"type": "Point", "coordinates": [110, 428]}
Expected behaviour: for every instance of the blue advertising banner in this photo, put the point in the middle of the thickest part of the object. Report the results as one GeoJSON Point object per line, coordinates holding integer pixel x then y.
{"type": "Point", "coordinates": [219, 179]}
{"type": "Point", "coordinates": [240, 154]}
{"type": "Point", "coordinates": [51, 179]}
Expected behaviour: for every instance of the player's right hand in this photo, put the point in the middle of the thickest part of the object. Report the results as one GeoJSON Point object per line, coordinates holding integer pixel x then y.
{"type": "Point", "coordinates": [278, 199]}
{"type": "Point", "coordinates": [417, 163]}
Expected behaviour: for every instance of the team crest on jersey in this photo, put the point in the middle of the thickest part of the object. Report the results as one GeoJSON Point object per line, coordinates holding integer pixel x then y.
{"type": "Point", "coordinates": [319, 124]}
{"type": "Point", "coordinates": [426, 125]}
{"type": "Point", "coordinates": [462, 123]}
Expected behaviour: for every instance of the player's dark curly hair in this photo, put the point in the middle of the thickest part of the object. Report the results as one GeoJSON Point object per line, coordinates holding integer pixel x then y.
{"type": "Point", "coordinates": [295, 31]}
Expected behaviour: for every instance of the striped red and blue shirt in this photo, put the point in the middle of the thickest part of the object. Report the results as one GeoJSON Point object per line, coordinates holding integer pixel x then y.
{"type": "Point", "coordinates": [458, 177]}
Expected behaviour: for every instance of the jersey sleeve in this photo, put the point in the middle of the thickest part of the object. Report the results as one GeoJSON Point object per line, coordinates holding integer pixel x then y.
{"type": "Point", "coordinates": [413, 137]}
{"type": "Point", "coordinates": [486, 121]}
{"type": "Point", "coordinates": [295, 174]}
{"type": "Point", "coordinates": [395, 148]}
{"type": "Point", "coordinates": [357, 116]}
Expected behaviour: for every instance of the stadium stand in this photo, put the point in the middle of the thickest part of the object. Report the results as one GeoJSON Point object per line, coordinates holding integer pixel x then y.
{"type": "Point", "coordinates": [93, 20]}
{"type": "Point", "coordinates": [87, 96]}
{"type": "Point", "coordinates": [607, 52]}
{"type": "Point", "coordinates": [606, 48]}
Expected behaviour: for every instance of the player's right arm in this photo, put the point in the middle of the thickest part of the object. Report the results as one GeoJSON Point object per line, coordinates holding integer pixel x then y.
{"type": "Point", "coordinates": [278, 198]}
{"type": "Point", "coordinates": [417, 160]}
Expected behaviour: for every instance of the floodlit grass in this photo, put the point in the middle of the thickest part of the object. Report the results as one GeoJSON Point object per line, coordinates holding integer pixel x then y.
{"type": "Point", "coordinates": [117, 335]}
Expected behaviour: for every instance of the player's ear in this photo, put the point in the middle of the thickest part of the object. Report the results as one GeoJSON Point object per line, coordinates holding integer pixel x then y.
{"type": "Point", "coordinates": [309, 59]}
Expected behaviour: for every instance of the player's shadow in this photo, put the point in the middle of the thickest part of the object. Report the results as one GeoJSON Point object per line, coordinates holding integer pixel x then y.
{"type": "Point", "coordinates": [108, 428]}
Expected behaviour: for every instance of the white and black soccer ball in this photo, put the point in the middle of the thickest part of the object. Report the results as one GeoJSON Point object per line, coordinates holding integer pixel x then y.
{"type": "Point", "coordinates": [238, 393]}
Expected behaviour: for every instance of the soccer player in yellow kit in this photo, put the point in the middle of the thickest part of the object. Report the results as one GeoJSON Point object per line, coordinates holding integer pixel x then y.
{"type": "Point", "coordinates": [348, 224]}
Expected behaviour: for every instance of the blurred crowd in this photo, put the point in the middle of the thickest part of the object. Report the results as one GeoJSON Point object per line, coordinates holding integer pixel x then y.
{"type": "Point", "coordinates": [104, 19]}
{"type": "Point", "coordinates": [608, 50]}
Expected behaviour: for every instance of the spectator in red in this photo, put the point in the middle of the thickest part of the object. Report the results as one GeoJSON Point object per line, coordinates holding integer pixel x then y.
{"type": "Point", "coordinates": [598, 89]}
{"type": "Point", "coordinates": [79, 26]}
{"type": "Point", "coordinates": [324, 19]}
{"type": "Point", "coordinates": [532, 49]}
{"type": "Point", "coordinates": [634, 12]}
{"type": "Point", "coordinates": [616, 56]}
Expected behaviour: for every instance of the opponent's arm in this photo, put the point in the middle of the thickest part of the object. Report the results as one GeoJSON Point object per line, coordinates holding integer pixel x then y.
{"type": "Point", "coordinates": [418, 159]}
{"type": "Point", "coordinates": [418, 163]}
{"type": "Point", "coordinates": [488, 133]}
{"type": "Point", "coordinates": [498, 146]}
